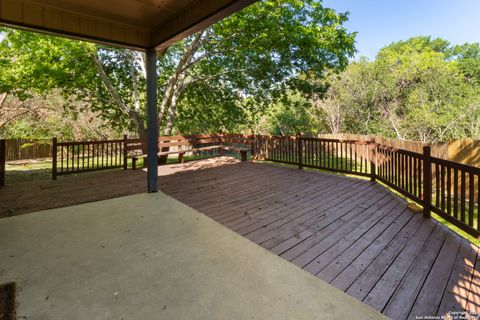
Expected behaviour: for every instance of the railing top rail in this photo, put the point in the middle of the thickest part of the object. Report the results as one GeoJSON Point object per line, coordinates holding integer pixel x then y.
{"type": "Point", "coordinates": [456, 165]}
{"type": "Point", "coordinates": [398, 150]}
{"type": "Point", "coordinates": [77, 143]}
{"type": "Point", "coordinates": [188, 137]}
{"type": "Point", "coordinates": [360, 142]}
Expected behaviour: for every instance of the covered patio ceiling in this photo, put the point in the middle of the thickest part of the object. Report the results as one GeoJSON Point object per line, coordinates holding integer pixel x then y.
{"type": "Point", "coordinates": [137, 24]}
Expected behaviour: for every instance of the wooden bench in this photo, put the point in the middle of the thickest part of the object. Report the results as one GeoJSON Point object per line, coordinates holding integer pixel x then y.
{"type": "Point", "coordinates": [184, 144]}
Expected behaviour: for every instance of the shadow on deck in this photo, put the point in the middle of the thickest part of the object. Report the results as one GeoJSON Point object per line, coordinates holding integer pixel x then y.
{"type": "Point", "coordinates": [352, 233]}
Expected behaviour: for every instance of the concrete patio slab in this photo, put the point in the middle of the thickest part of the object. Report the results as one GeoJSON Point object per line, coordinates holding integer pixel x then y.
{"type": "Point", "coordinates": [148, 256]}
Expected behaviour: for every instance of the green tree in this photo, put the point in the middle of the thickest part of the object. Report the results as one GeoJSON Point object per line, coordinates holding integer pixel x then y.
{"type": "Point", "coordinates": [420, 89]}
{"type": "Point", "coordinates": [235, 67]}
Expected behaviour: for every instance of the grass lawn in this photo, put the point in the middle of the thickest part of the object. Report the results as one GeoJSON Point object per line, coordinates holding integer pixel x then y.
{"type": "Point", "coordinates": [28, 170]}
{"type": "Point", "coordinates": [41, 169]}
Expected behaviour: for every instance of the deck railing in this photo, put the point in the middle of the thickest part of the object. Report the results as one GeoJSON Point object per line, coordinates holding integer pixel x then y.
{"type": "Point", "coordinates": [456, 194]}
{"type": "Point", "coordinates": [401, 170]}
{"type": "Point", "coordinates": [447, 188]}
{"type": "Point", "coordinates": [84, 156]}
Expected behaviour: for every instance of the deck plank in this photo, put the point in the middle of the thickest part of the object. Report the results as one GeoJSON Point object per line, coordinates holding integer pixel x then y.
{"type": "Point", "coordinates": [386, 227]}
{"type": "Point", "coordinates": [473, 299]}
{"type": "Point", "coordinates": [353, 233]}
{"type": "Point", "coordinates": [406, 246]}
{"type": "Point", "coordinates": [458, 287]}
{"type": "Point", "coordinates": [302, 254]}
{"type": "Point", "coordinates": [432, 291]}
{"type": "Point", "coordinates": [311, 220]}
{"type": "Point", "coordinates": [407, 290]}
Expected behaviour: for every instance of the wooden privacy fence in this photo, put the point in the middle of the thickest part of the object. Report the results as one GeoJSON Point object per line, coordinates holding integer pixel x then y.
{"type": "Point", "coordinates": [450, 189]}
{"type": "Point", "coordinates": [21, 149]}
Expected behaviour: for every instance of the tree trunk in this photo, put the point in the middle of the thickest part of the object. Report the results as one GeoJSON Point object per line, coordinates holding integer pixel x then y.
{"type": "Point", "coordinates": [172, 112]}
{"type": "Point", "coordinates": [130, 112]}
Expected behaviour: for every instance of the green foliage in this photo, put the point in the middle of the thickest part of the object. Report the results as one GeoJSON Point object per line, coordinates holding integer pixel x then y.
{"type": "Point", "coordinates": [419, 89]}
{"type": "Point", "coordinates": [239, 67]}
{"type": "Point", "coordinates": [288, 116]}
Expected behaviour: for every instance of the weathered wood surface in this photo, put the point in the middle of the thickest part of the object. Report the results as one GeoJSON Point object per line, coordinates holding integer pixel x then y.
{"type": "Point", "coordinates": [351, 233]}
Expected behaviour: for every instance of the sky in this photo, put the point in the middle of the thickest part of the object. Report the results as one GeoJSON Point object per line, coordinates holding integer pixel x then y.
{"type": "Point", "coordinates": [381, 22]}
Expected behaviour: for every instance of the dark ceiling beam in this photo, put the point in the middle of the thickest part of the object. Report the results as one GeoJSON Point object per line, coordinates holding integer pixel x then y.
{"type": "Point", "coordinates": [194, 18]}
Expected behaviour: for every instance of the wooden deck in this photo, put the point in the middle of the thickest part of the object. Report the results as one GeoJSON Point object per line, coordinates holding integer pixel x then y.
{"type": "Point", "coordinates": [349, 232]}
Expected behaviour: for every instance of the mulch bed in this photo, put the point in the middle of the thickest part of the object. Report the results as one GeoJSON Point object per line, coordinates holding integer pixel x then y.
{"type": "Point", "coordinates": [7, 301]}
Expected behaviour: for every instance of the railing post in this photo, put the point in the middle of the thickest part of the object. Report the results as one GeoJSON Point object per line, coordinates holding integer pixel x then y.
{"type": "Point", "coordinates": [54, 159]}
{"type": "Point", "coordinates": [253, 145]}
{"type": "Point", "coordinates": [299, 151]}
{"type": "Point", "coordinates": [427, 181]}
{"type": "Point", "coordinates": [125, 152]}
{"type": "Point", "coordinates": [373, 160]}
{"type": "Point", "coordinates": [3, 156]}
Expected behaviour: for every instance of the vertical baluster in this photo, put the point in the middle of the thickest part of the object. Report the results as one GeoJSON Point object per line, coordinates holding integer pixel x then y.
{"type": "Point", "coordinates": [306, 148]}
{"type": "Point", "coordinates": [83, 156]}
{"type": "Point", "coordinates": [380, 163]}
{"type": "Point", "coordinates": [390, 160]}
{"type": "Point", "coordinates": [394, 157]}
{"type": "Point", "coordinates": [350, 158]}
{"type": "Point", "coordinates": [399, 170]}
{"type": "Point", "coordinates": [455, 193]}
{"type": "Point", "coordinates": [410, 174]}
{"type": "Point", "coordinates": [365, 158]}
{"type": "Point", "coordinates": [463, 183]}
{"type": "Point", "coordinates": [68, 157]}
{"type": "Point", "coordinates": [415, 185]}
{"type": "Point", "coordinates": [307, 152]}
{"type": "Point", "coordinates": [478, 202]}
{"type": "Point", "coordinates": [78, 157]}
{"type": "Point", "coordinates": [348, 162]}
{"type": "Point", "coordinates": [449, 191]}
{"type": "Point", "coordinates": [288, 149]}
{"type": "Point", "coordinates": [61, 158]}
{"type": "Point", "coordinates": [320, 153]}
{"type": "Point", "coordinates": [437, 186]}
{"type": "Point", "coordinates": [314, 154]}
{"type": "Point", "coordinates": [385, 163]}
{"type": "Point", "coordinates": [73, 158]}
{"type": "Point", "coordinates": [361, 158]}
{"type": "Point", "coordinates": [442, 187]}
{"type": "Point", "coordinates": [341, 155]}
{"type": "Point", "coordinates": [471, 198]}
{"type": "Point", "coordinates": [327, 155]}
{"type": "Point", "coordinates": [355, 148]}
{"type": "Point", "coordinates": [92, 155]}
